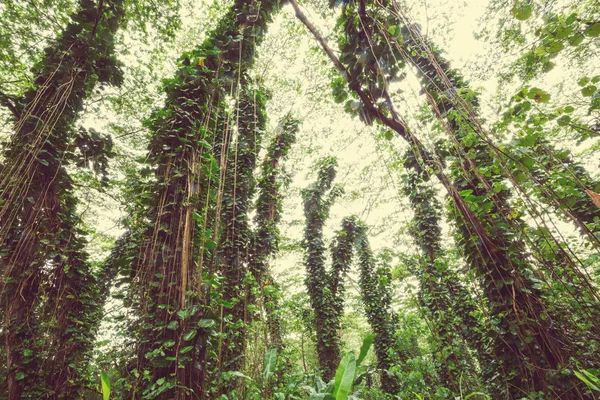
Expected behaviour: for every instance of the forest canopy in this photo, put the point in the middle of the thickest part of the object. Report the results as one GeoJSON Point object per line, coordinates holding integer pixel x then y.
{"type": "Point", "coordinates": [265, 199]}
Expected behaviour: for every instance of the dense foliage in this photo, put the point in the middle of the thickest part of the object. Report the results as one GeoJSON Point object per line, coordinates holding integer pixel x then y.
{"type": "Point", "coordinates": [265, 232]}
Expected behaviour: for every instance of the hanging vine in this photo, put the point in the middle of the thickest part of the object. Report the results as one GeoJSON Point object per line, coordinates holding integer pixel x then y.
{"type": "Point", "coordinates": [235, 241]}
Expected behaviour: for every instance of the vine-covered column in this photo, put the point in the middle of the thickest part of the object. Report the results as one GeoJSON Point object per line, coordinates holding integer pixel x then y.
{"type": "Point", "coordinates": [37, 205]}
{"type": "Point", "coordinates": [168, 269]}
{"type": "Point", "coordinates": [377, 299]}
{"type": "Point", "coordinates": [446, 300]}
{"type": "Point", "coordinates": [235, 241]}
{"type": "Point", "coordinates": [268, 214]}
{"type": "Point", "coordinates": [318, 198]}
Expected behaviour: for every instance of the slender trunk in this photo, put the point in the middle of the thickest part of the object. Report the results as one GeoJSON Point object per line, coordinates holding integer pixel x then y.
{"type": "Point", "coordinates": [377, 300]}
{"type": "Point", "coordinates": [318, 199]}
{"type": "Point", "coordinates": [448, 303]}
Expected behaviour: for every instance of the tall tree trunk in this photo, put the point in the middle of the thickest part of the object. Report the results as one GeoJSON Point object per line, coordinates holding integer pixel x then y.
{"type": "Point", "coordinates": [37, 220]}
{"type": "Point", "coordinates": [446, 300]}
{"type": "Point", "coordinates": [318, 198]}
{"type": "Point", "coordinates": [167, 275]}
{"type": "Point", "coordinates": [265, 241]}
{"type": "Point", "coordinates": [235, 239]}
{"type": "Point", "coordinates": [377, 300]}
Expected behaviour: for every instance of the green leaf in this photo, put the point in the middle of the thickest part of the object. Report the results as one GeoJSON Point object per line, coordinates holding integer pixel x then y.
{"type": "Point", "coordinates": [585, 376]}
{"type": "Point", "coordinates": [576, 39]}
{"type": "Point", "coordinates": [270, 363]}
{"type": "Point", "coordinates": [206, 323]}
{"type": "Point", "coordinates": [539, 95]}
{"type": "Point", "coordinates": [209, 244]}
{"type": "Point", "coordinates": [364, 349]}
{"type": "Point", "coordinates": [183, 314]}
{"type": "Point", "coordinates": [189, 335]}
{"type": "Point", "coordinates": [588, 90]}
{"type": "Point", "coordinates": [593, 30]}
{"type": "Point", "coordinates": [522, 11]}
{"type": "Point", "coordinates": [239, 375]}
{"type": "Point", "coordinates": [344, 377]}
{"type": "Point", "coordinates": [186, 349]}
{"type": "Point", "coordinates": [173, 325]}
{"type": "Point", "coordinates": [105, 381]}
{"type": "Point", "coordinates": [555, 47]}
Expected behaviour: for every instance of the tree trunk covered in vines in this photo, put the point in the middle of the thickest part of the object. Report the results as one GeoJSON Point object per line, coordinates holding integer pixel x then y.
{"type": "Point", "coordinates": [266, 237]}
{"type": "Point", "coordinates": [377, 299]}
{"type": "Point", "coordinates": [318, 198]}
{"type": "Point", "coordinates": [235, 241]}
{"type": "Point", "coordinates": [183, 152]}
{"type": "Point", "coordinates": [448, 303]}
{"type": "Point", "coordinates": [527, 341]}
{"type": "Point", "coordinates": [37, 206]}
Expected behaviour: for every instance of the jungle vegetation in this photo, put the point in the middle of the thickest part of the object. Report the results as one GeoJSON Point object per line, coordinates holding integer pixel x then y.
{"type": "Point", "coordinates": [265, 199]}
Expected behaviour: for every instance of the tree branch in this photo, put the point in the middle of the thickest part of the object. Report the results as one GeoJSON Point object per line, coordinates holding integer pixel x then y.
{"type": "Point", "coordinates": [8, 102]}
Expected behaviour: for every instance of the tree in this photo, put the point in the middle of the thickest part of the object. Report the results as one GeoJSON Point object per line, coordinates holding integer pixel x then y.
{"type": "Point", "coordinates": [38, 228]}
{"type": "Point", "coordinates": [318, 198]}
{"type": "Point", "coordinates": [168, 279]}
{"type": "Point", "coordinates": [377, 300]}
{"type": "Point", "coordinates": [448, 303]}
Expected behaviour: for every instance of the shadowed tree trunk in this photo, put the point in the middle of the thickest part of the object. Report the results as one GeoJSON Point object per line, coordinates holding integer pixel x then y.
{"type": "Point", "coordinates": [448, 303]}
{"type": "Point", "coordinates": [37, 207]}
{"type": "Point", "coordinates": [266, 236]}
{"type": "Point", "coordinates": [168, 277]}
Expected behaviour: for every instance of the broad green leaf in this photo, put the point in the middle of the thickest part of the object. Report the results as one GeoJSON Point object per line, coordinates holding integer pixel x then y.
{"type": "Point", "coordinates": [364, 349]}
{"type": "Point", "coordinates": [189, 335]}
{"type": "Point", "coordinates": [555, 47]}
{"type": "Point", "coordinates": [105, 381]}
{"type": "Point", "coordinates": [576, 39]}
{"type": "Point", "coordinates": [522, 11]}
{"type": "Point", "coordinates": [593, 30]}
{"type": "Point", "coordinates": [173, 325]}
{"type": "Point", "coordinates": [206, 323]}
{"type": "Point", "coordinates": [186, 349]}
{"type": "Point", "coordinates": [583, 81]}
{"type": "Point", "coordinates": [269, 363]}
{"type": "Point", "coordinates": [485, 396]}
{"type": "Point", "coordinates": [239, 375]}
{"type": "Point", "coordinates": [588, 90]}
{"type": "Point", "coordinates": [344, 377]}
